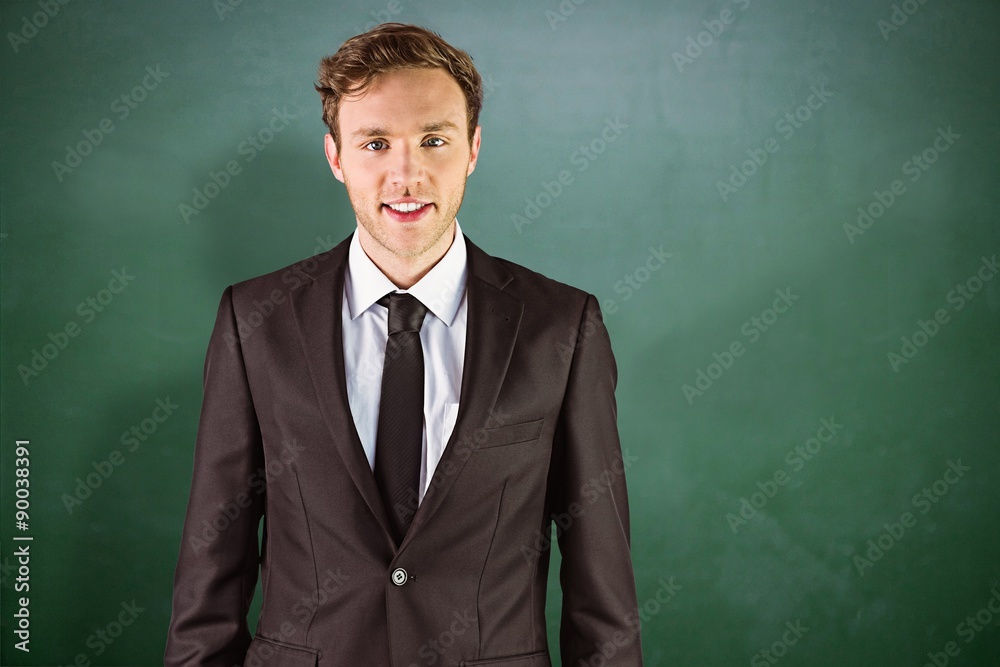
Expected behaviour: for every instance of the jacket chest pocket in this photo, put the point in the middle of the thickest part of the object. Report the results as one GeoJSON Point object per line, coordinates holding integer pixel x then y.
{"type": "Point", "coordinates": [511, 434]}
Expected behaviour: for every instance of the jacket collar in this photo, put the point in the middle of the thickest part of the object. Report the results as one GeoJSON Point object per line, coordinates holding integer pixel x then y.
{"type": "Point", "coordinates": [440, 289]}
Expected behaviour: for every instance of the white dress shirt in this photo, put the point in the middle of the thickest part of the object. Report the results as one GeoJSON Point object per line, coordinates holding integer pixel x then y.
{"type": "Point", "coordinates": [442, 337]}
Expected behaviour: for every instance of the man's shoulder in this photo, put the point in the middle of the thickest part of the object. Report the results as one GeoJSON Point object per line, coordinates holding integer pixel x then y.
{"type": "Point", "coordinates": [282, 282]}
{"type": "Point", "coordinates": [531, 286]}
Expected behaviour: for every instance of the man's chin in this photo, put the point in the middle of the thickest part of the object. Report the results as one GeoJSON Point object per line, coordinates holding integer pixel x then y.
{"type": "Point", "coordinates": [405, 239]}
{"type": "Point", "coordinates": [400, 246]}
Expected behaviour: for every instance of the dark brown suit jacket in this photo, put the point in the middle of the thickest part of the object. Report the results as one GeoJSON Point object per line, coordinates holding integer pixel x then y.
{"type": "Point", "coordinates": [535, 441]}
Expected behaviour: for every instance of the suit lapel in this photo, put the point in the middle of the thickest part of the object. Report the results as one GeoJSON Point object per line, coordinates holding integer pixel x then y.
{"type": "Point", "coordinates": [317, 308]}
{"type": "Point", "coordinates": [492, 323]}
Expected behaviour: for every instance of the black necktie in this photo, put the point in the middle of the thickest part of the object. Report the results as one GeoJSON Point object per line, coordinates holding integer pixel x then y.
{"type": "Point", "coordinates": [401, 412]}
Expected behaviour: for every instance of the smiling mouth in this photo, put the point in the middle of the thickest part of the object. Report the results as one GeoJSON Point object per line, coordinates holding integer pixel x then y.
{"type": "Point", "coordinates": [408, 207]}
{"type": "Point", "coordinates": [407, 211]}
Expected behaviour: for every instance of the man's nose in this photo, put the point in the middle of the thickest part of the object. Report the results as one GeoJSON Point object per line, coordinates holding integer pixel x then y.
{"type": "Point", "coordinates": [406, 166]}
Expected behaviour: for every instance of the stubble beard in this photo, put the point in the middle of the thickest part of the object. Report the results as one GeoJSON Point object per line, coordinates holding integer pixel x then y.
{"type": "Point", "coordinates": [377, 227]}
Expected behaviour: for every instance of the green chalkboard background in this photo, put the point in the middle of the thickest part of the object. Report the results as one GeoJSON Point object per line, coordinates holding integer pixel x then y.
{"type": "Point", "coordinates": [740, 136]}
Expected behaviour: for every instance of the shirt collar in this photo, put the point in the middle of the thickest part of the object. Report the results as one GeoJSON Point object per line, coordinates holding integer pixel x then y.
{"type": "Point", "coordinates": [441, 289]}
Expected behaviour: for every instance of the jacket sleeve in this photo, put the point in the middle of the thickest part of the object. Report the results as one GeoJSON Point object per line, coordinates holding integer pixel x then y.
{"type": "Point", "coordinates": [599, 611]}
{"type": "Point", "coordinates": [219, 557]}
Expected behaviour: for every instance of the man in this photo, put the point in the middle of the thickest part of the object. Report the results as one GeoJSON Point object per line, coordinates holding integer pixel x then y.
{"type": "Point", "coordinates": [409, 415]}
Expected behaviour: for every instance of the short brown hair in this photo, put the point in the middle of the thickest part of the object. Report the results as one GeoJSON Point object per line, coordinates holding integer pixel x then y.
{"type": "Point", "coordinates": [387, 48]}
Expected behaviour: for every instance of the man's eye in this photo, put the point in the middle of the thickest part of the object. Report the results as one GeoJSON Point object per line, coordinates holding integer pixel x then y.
{"type": "Point", "coordinates": [436, 139]}
{"type": "Point", "coordinates": [376, 145]}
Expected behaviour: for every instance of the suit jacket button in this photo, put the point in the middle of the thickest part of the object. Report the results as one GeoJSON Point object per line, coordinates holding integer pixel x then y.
{"type": "Point", "coordinates": [399, 576]}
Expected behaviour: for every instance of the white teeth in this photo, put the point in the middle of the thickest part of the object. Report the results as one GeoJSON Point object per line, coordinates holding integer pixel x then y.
{"type": "Point", "coordinates": [406, 208]}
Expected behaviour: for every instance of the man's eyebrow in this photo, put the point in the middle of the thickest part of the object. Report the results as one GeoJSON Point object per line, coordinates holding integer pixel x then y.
{"type": "Point", "coordinates": [439, 126]}
{"type": "Point", "coordinates": [378, 131]}
{"type": "Point", "coordinates": [371, 131]}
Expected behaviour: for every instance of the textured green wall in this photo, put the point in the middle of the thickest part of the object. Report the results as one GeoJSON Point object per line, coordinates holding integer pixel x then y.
{"type": "Point", "coordinates": [697, 166]}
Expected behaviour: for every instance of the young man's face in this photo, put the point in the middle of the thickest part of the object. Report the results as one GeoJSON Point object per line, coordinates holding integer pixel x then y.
{"type": "Point", "coordinates": [405, 141]}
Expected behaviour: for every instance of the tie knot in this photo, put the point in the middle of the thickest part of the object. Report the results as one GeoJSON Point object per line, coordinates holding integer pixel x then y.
{"type": "Point", "coordinates": [406, 313]}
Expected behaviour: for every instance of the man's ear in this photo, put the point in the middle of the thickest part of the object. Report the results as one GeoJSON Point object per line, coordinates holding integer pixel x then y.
{"type": "Point", "coordinates": [333, 157]}
{"type": "Point", "coordinates": [474, 154]}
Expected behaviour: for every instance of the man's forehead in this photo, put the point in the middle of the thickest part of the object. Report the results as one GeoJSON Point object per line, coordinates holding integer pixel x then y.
{"type": "Point", "coordinates": [403, 102]}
